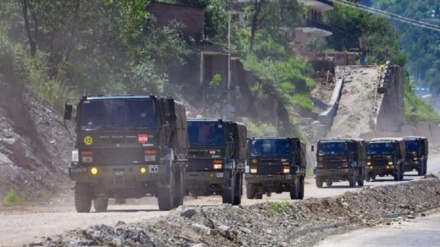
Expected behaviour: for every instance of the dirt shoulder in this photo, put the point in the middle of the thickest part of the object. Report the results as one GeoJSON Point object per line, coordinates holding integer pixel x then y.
{"type": "Point", "coordinates": [268, 224]}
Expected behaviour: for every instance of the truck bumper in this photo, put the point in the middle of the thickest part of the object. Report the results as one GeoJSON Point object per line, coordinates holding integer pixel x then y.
{"type": "Point", "coordinates": [334, 174]}
{"type": "Point", "coordinates": [383, 170]}
{"type": "Point", "coordinates": [267, 178]}
{"type": "Point", "coordinates": [120, 176]}
{"type": "Point", "coordinates": [195, 179]}
{"type": "Point", "coordinates": [410, 165]}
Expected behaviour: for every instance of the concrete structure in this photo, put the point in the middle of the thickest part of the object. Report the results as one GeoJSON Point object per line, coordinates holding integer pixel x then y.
{"type": "Point", "coordinates": [191, 17]}
{"type": "Point", "coordinates": [313, 24]}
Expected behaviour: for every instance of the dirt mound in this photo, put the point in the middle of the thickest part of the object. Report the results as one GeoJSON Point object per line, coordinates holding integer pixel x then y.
{"type": "Point", "coordinates": [35, 147]}
{"type": "Point", "coordinates": [268, 224]}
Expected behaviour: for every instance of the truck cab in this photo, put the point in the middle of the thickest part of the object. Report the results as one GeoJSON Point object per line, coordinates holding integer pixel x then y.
{"type": "Point", "coordinates": [340, 160]}
{"type": "Point", "coordinates": [275, 164]}
{"type": "Point", "coordinates": [216, 159]}
{"type": "Point", "coordinates": [128, 147]}
{"type": "Point", "coordinates": [416, 154]}
{"type": "Point", "coordinates": [385, 156]}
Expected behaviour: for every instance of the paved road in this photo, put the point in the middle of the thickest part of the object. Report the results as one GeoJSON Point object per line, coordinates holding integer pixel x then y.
{"type": "Point", "coordinates": [420, 232]}
{"type": "Point", "coordinates": [21, 225]}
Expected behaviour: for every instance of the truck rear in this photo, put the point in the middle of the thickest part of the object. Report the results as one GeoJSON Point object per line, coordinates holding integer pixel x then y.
{"type": "Point", "coordinates": [275, 164]}
{"type": "Point", "coordinates": [128, 147]}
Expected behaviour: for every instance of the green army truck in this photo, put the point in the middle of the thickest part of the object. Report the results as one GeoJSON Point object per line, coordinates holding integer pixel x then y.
{"type": "Point", "coordinates": [128, 147]}
{"type": "Point", "coordinates": [275, 164]}
{"type": "Point", "coordinates": [216, 159]}
{"type": "Point", "coordinates": [416, 154]}
{"type": "Point", "coordinates": [340, 160]}
{"type": "Point", "coordinates": [385, 156]}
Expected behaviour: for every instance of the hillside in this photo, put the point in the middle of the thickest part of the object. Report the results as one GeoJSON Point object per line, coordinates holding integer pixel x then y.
{"type": "Point", "coordinates": [34, 146]}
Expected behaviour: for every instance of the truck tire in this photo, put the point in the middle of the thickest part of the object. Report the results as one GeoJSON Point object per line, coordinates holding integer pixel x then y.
{"type": "Point", "coordinates": [352, 182]}
{"type": "Point", "coordinates": [425, 167]}
{"type": "Point", "coordinates": [251, 191]}
{"type": "Point", "coordinates": [165, 195]}
{"type": "Point", "coordinates": [228, 193]}
{"type": "Point", "coordinates": [294, 190]}
{"type": "Point", "coordinates": [179, 189]}
{"type": "Point", "coordinates": [301, 188]}
{"type": "Point", "coordinates": [238, 189]}
{"type": "Point", "coordinates": [401, 173]}
{"type": "Point", "coordinates": [329, 183]}
{"type": "Point", "coordinates": [318, 181]}
{"type": "Point", "coordinates": [100, 204]}
{"type": "Point", "coordinates": [83, 198]}
{"type": "Point", "coordinates": [361, 178]}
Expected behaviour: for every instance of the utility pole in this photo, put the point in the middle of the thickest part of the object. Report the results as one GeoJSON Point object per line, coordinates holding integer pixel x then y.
{"type": "Point", "coordinates": [229, 49]}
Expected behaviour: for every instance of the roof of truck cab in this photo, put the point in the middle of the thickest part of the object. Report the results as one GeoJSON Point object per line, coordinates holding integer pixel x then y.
{"type": "Point", "coordinates": [386, 139]}
{"type": "Point", "coordinates": [203, 120]}
{"type": "Point", "coordinates": [340, 140]}
{"type": "Point", "coordinates": [414, 137]}
{"type": "Point", "coordinates": [118, 97]}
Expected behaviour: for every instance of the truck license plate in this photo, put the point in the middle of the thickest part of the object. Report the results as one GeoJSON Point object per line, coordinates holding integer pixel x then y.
{"type": "Point", "coordinates": [119, 173]}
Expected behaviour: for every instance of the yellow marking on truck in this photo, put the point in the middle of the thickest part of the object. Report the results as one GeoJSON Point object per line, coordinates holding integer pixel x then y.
{"type": "Point", "coordinates": [88, 140]}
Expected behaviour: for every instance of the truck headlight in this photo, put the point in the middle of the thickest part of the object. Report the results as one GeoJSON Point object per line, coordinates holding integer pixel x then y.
{"type": "Point", "coordinates": [286, 169]}
{"type": "Point", "coordinates": [94, 170]}
{"type": "Point", "coordinates": [217, 166]}
{"type": "Point", "coordinates": [253, 169]}
{"type": "Point", "coordinates": [390, 162]}
{"type": "Point", "coordinates": [75, 156]}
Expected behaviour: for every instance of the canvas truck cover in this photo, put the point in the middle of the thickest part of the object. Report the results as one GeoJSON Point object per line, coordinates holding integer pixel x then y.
{"type": "Point", "coordinates": [241, 147]}
{"type": "Point", "coordinates": [423, 139]}
{"type": "Point", "coordinates": [303, 155]}
{"type": "Point", "coordinates": [178, 132]}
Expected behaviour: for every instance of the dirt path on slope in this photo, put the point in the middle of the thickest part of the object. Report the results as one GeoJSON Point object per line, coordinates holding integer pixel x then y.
{"type": "Point", "coordinates": [355, 113]}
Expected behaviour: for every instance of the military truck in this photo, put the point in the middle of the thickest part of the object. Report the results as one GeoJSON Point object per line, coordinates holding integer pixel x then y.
{"type": "Point", "coordinates": [275, 164]}
{"type": "Point", "coordinates": [340, 160]}
{"type": "Point", "coordinates": [385, 156]}
{"type": "Point", "coordinates": [416, 154]}
{"type": "Point", "coordinates": [216, 159]}
{"type": "Point", "coordinates": [128, 147]}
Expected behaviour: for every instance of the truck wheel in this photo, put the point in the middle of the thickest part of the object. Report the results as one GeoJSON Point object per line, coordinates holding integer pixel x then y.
{"type": "Point", "coordinates": [179, 189]}
{"type": "Point", "coordinates": [425, 168]}
{"type": "Point", "coordinates": [401, 173]}
{"type": "Point", "coordinates": [329, 183]}
{"type": "Point", "coordinates": [228, 193]}
{"type": "Point", "coordinates": [83, 199]}
{"type": "Point", "coordinates": [301, 188]}
{"type": "Point", "coordinates": [360, 180]}
{"type": "Point", "coordinates": [318, 182]}
{"type": "Point", "coordinates": [294, 190]}
{"type": "Point", "coordinates": [259, 196]}
{"type": "Point", "coordinates": [165, 195]}
{"type": "Point", "coordinates": [100, 204]}
{"type": "Point", "coordinates": [396, 177]}
{"type": "Point", "coordinates": [420, 171]}
{"type": "Point", "coordinates": [251, 190]}
{"type": "Point", "coordinates": [352, 182]}
{"type": "Point", "coordinates": [238, 189]}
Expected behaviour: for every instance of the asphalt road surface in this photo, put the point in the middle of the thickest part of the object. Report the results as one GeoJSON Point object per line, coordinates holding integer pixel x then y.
{"type": "Point", "coordinates": [420, 232]}
{"type": "Point", "coordinates": [21, 225]}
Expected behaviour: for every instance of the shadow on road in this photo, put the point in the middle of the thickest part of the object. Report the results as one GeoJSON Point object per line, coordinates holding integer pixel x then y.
{"type": "Point", "coordinates": [127, 211]}
{"type": "Point", "coordinates": [391, 179]}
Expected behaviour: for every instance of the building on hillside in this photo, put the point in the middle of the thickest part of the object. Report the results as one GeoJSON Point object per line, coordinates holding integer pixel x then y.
{"type": "Point", "coordinates": [314, 24]}
{"type": "Point", "coordinates": [191, 17]}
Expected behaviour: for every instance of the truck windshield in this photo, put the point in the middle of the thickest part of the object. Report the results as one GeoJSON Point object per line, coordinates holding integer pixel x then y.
{"type": "Point", "coordinates": [118, 114]}
{"type": "Point", "coordinates": [205, 133]}
{"type": "Point", "coordinates": [380, 148]}
{"type": "Point", "coordinates": [411, 146]}
{"type": "Point", "coordinates": [332, 148]}
{"type": "Point", "coordinates": [271, 147]}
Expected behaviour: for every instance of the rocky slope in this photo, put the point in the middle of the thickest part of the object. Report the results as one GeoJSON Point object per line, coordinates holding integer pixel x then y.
{"type": "Point", "coordinates": [34, 146]}
{"type": "Point", "coordinates": [301, 223]}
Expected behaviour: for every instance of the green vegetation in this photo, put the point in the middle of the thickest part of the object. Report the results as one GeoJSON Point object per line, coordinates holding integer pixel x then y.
{"type": "Point", "coordinates": [260, 129]}
{"type": "Point", "coordinates": [279, 207]}
{"type": "Point", "coordinates": [13, 198]}
{"type": "Point", "coordinates": [422, 46]}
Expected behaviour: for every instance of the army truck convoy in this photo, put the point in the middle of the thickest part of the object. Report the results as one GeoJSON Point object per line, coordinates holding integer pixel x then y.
{"type": "Point", "coordinates": [136, 146]}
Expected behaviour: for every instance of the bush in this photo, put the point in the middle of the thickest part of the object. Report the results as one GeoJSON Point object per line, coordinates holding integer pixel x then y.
{"type": "Point", "coordinates": [13, 198]}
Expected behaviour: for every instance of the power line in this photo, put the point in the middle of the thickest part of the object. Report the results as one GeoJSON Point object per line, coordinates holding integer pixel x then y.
{"type": "Point", "coordinates": [390, 15]}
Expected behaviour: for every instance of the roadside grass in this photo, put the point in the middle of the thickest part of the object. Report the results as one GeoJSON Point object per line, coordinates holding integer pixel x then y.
{"type": "Point", "coordinates": [278, 207]}
{"type": "Point", "coordinates": [13, 198]}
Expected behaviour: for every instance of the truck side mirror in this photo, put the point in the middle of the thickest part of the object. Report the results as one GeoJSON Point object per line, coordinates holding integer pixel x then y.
{"type": "Point", "coordinates": [68, 108]}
